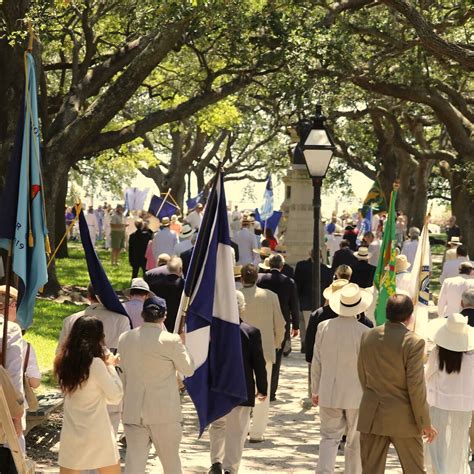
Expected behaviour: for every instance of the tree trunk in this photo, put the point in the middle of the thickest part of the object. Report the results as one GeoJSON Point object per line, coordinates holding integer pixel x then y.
{"type": "Point", "coordinates": [462, 204]}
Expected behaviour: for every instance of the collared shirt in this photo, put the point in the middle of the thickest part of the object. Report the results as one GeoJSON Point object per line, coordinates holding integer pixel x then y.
{"type": "Point", "coordinates": [134, 308]}
{"type": "Point", "coordinates": [245, 239]}
{"type": "Point", "coordinates": [164, 242]}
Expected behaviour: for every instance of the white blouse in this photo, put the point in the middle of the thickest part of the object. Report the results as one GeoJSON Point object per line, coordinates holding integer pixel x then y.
{"type": "Point", "coordinates": [454, 391]}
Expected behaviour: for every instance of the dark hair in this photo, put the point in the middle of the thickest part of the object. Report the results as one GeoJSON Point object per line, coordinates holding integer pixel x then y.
{"type": "Point", "coordinates": [450, 361]}
{"type": "Point", "coordinates": [275, 261]}
{"type": "Point", "coordinates": [399, 308]}
{"type": "Point", "coordinates": [249, 274]}
{"type": "Point", "coordinates": [465, 268]}
{"type": "Point", "coordinates": [85, 341]}
{"type": "Point", "coordinates": [343, 243]}
{"type": "Point", "coordinates": [268, 232]}
{"type": "Point", "coordinates": [91, 292]}
{"type": "Point", "coordinates": [138, 291]}
{"type": "Point", "coordinates": [461, 251]}
{"type": "Point", "coordinates": [152, 313]}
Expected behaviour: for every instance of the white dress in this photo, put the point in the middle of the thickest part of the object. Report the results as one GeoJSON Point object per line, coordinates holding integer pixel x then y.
{"type": "Point", "coordinates": [87, 439]}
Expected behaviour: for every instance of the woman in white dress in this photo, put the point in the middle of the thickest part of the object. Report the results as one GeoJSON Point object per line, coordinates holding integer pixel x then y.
{"type": "Point", "coordinates": [450, 392]}
{"type": "Point", "coordinates": [89, 381]}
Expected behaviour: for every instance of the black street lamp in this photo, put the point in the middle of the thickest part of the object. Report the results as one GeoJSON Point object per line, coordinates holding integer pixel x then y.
{"type": "Point", "coordinates": [317, 147]}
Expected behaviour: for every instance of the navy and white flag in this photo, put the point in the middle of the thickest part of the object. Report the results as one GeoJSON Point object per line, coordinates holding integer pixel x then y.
{"type": "Point", "coordinates": [267, 206]}
{"type": "Point", "coordinates": [160, 207]}
{"type": "Point", "coordinates": [191, 203]}
{"type": "Point", "coordinates": [212, 317]}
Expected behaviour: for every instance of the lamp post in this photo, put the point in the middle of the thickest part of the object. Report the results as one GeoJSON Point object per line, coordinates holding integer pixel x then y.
{"type": "Point", "coordinates": [317, 147]}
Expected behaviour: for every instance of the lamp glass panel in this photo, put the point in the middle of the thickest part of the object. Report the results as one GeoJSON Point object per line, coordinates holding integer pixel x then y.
{"type": "Point", "coordinates": [317, 137]}
{"type": "Point", "coordinates": [317, 161]}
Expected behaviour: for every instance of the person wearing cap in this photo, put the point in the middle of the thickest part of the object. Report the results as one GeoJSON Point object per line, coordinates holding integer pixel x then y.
{"type": "Point", "coordinates": [184, 240]}
{"type": "Point", "coordinates": [149, 359]}
{"type": "Point", "coordinates": [362, 271]}
{"type": "Point", "coordinates": [451, 267]}
{"type": "Point", "coordinates": [287, 293]}
{"type": "Point", "coordinates": [410, 246]}
{"type": "Point", "coordinates": [136, 294]}
{"type": "Point", "coordinates": [450, 392]}
{"type": "Point", "coordinates": [450, 295]}
{"type": "Point", "coordinates": [335, 386]}
{"type": "Point", "coordinates": [194, 218]}
{"type": "Point", "coordinates": [137, 246]}
{"type": "Point", "coordinates": [227, 434]}
{"type": "Point", "coordinates": [403, 276]}
{"type": "Point", "coordinates": [393, 407]}
{"type": "Point", "coordinates": [165, 239]}
{"type": "Point", "coordinates": [453, 244]}
{"type": "Point", "coordinates": [263, 311]}
{"type": "Point", "coordinates": [245, 239]}
{"type": "Point", "coordinates": [343, 256]}
{"type": "Point", "coordinates": [170, 288]}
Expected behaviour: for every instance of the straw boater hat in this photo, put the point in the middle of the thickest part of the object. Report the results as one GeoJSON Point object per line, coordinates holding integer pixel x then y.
{"type": "Point", "coordinates": [246, 219]}
{"type": "Point", "coordinates": [455, 241]}
{"type": "Point", "coordinates": [237, 271]}
{"type": "Point", "coordinates": [401, 263]}
{"type": "Point", "coordinates": [363, 253]}
{"type": "Point", "coordinates": [264, 252]}
{"type": "Point", "coordinates": [453, 333]}
{"type": "Point", "coordinates": [165, 222]}
{"type": "Point", "coordinates": [186, 231]}
{"type": "Point", "coordinates": [265, 265]}
{"type": "Point", "coordinates": [334, 286]}
{"type": "Point", "coordinates": [281, 249]}
{"type": "Point", "coordinates": [350, 300]}
{"type": "Point", "coordinates": [138, 284]}
{"type": "Point", "coordinates": [13, 292]}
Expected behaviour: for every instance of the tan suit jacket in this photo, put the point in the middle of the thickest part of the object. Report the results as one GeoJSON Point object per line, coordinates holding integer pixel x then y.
{"type": "Point", "coordinates": [262, 310]}
{"type": "Point", "coordinates": [149, 358]}
{"type": "Point", "coordinates": [391, 373]}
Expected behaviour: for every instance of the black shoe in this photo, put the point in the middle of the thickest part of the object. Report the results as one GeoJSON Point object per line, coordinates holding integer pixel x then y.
{"type": "Point", "coordinates": [273, 399]}
{"type": "Point", "coordinates": [216, 468]}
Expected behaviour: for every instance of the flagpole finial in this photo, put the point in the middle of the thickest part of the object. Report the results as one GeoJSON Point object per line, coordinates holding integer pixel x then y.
{"type": "Point", "coordinates": [31, 37]}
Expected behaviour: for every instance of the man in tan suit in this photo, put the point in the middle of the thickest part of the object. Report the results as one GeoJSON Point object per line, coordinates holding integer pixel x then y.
{"type": "Point", "coordinates": [149, 358]}
{"type": "Point", "coordinates": [262, 310]}
{"type": "Point", "coordinates": [393, 407]}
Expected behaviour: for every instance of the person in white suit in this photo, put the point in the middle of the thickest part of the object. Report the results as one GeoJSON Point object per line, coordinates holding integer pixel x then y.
{"type": "Point", "coordinates": [92, 224]}
{"type": "Point", "coordinates": [150, 357]}
{"type": "Point", "coordinates": [450, 296]}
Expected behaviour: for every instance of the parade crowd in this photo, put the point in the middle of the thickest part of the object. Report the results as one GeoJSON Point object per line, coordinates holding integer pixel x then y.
{"type": "Point", "coordinates": [374, 386]}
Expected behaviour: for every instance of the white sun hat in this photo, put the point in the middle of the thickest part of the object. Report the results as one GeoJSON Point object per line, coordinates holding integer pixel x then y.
{"type": "Point", "coordinates": [350, 300]}
{"type": "Point", "coordinates": [453, 333]}
{"type": "Point", "coordinates": [363, 253]}
{"type": "Point", "coordinates": [334, 286]}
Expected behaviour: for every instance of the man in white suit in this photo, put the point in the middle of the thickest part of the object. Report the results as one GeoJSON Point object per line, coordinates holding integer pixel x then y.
{"type": "Point", "coordinates": [150, 357]}
{"type": "Point", "coordinates": [451, 267]}
{"type": "Point", "coordinates": [450, 296]}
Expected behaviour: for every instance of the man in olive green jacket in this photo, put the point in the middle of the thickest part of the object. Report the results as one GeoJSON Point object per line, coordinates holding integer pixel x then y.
{"type": "Point", "coordinates": [393, 407]}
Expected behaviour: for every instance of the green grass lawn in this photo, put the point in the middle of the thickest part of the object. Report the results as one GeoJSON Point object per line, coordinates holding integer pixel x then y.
{"type": "Point", "coordinates": [49, 315]}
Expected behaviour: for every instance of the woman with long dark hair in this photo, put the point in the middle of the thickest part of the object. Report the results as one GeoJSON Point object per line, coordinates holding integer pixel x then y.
{"type": "Point", "coordinates": [450, 392]}
{"type": "Point", "coordinates": [88, 378]}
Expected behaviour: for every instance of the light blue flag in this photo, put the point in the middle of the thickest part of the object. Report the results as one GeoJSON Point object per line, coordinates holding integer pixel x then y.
{"type": "Point", "coordinates": [266, 210]}
{"type": "Point", "coordinates": [29, 233]}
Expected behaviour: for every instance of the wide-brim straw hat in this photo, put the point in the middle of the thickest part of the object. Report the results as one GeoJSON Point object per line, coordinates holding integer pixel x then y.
{"type": "Point", "coordinates": [246, 219]}
{"type": "Point", "coordinates": [237, 271]}
{"type": "Point", "coordinates": [281, 249]}
{"type": "Point", "coordinates": [265, 265]}
{"type": "Point", "coordinates": [13, 292]}
{"type": "Point", "coordinates": [165, 222]}
{"type": "Point", "coordinates": [264, 252]}
{"type": "Point", "coordinates": [401, 263]}
{"type": "Point", "coordinates": [138, 284]}
{"type": "Point", "coordinates": [453, 333]}
{"type": "Point", "coordinates": [363, 253]}
{"type": "Point", "coordinates": [350, 300]}
{"type": "Point", "coordinates": [334, 286]}
{"type": "Point", "coordinates": [186, 231]}
{"type": "Point", "coordinates": [455, 241]}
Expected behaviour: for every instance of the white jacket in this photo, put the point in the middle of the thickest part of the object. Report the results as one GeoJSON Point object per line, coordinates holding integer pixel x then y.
{"type": "Point", "coordinates": [449, 301]}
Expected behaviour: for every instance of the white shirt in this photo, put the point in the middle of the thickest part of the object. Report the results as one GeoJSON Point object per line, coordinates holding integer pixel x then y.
{"type": "Point", "coordinates": [182, 246]}
{"type": "Point", "coordinates": [134, 308]}
{"type": "Point", "coordinates": [404, 281]}
{"type": "Point", "coordinates": [333, 243]}
{"type": "Point", "coordinates": [245, 239]}
{"type": "Point", "coordinates": [409, 249]}
{"type": "Point", "coordinates": [92, 223]}
{"type": "Point", "coordinates": [14, 364]}
{"type": "Point", "coordinates": [449, 301]}
{"type": "Point", "coordinates": [454, 391]}
{"type": "Point", "coordinates": [164, 242]}
{"type": "Point", "coordinates": [374, 250]}
{"type": "Point", "coordinates": [194, 219]}
{"type": "Point", "coordinates": [451, 268]}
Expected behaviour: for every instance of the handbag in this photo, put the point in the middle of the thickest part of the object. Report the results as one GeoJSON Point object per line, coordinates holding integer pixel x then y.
{"type": "Point", "coordinates": [30, 394]}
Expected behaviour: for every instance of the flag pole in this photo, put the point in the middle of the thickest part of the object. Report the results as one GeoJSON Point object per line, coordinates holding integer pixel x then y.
{"type": "Point", "coordinates": [163, 203]}
{"type": "Point", "coordinates": [8, 277]}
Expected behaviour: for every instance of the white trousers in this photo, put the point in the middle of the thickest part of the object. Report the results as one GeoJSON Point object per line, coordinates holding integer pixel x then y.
{"type": "Point", "coordinates": [166, 438]}
{"type": "Point", "coordinates": [449, 452]}
{"type": "Point", "coordinates": [261, 409]}
{"type": "Point", "coordinates": [227, 436]}
{"type": "Point", "coordinates": [334, 422]}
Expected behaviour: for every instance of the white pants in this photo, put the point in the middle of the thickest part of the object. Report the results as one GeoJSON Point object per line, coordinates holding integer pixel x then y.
{"type": "Point", "coordinates": [227, 436]}
{"type": "Point", "coordinates": [334, 422]}
{"type": "Point", "coordinates": [166, 438]}
{"type": "Point", "coordinates": [260, 410]}
{"type": "Point", "coordinates": [449, 452]}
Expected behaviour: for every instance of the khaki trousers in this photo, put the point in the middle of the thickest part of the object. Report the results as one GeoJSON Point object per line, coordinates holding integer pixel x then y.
{"type": "Point", "coordinates": [334, 422]}
{"type": "Point", "coordinates": [304, 319]}
{"type": "Point", "coordinates": [373, 449]}
{"type": "Point", "coordinates": [227, 436]}
{"type": "Point", "coordinates": [165, 437]}
{"type": "Point", "coordinates": [261, 409]}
